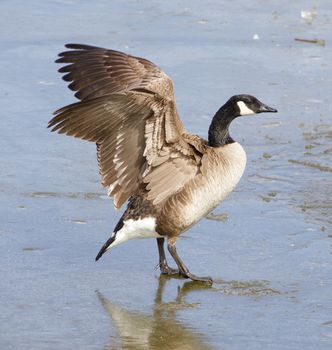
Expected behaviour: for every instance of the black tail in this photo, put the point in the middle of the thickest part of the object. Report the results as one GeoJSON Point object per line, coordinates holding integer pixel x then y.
{"type": "Point", "coordinates": [105, 246]}
{"type": "Point", "coordinates": [117, 228]}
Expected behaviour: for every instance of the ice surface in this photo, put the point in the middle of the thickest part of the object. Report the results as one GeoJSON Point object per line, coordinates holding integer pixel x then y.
{"type": "Point", "coordinates": [271, 258]}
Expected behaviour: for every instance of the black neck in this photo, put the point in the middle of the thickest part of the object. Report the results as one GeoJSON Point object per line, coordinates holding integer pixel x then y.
{"type": "Point", "coordinates": [219, 128]}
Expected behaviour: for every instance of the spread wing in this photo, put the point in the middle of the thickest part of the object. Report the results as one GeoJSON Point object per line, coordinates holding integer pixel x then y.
{"type": "Point", "coordinates": [95, 72]}
{"type": "Point", "coordinates": [127, 108]}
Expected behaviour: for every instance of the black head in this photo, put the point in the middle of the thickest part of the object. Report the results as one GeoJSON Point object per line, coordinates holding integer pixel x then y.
{"type": "Point", "coordinates": [236, 106]}
{"type": "Point", "coordinates": [247, 105]}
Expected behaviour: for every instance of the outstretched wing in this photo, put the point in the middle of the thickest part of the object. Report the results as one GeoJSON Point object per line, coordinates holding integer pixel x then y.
{"type": "Point", "coordinates": [96, 72]}
{"type": "Point", "coordinates": [128, 110]}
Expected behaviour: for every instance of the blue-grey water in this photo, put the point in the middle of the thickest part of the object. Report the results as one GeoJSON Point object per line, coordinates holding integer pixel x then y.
{"type": "Point", "coordinates": [270, 256]}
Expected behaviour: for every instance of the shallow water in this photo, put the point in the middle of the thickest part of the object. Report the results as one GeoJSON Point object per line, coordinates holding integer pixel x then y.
{"type": "Point", "coordinates": [268, 246]}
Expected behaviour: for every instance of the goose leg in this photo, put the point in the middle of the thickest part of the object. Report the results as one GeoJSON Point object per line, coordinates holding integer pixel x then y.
{"type": "Point", "coordinates": [164, 268]}
{"type": "Point", "coordinates": [182, 267]}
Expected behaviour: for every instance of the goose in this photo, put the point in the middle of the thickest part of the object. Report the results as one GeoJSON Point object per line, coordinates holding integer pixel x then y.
{"type": "Point", "coordinates": [170, 178]}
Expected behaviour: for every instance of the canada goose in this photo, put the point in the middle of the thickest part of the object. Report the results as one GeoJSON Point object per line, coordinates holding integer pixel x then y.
{"type": "Point", "coordinates": [171, 178]}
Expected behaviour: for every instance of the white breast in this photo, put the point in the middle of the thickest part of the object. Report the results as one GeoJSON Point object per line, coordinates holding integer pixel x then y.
{"type": "Point", "coordinates": [227, 167]}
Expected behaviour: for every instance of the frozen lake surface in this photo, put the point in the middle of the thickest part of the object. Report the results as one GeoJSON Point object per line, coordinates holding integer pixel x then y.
{"type": "Point", "coordinates": [271, 257]}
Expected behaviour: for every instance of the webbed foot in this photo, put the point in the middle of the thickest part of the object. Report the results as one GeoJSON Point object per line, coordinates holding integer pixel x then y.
{"type": "Point", "coordinates": [166, 270]}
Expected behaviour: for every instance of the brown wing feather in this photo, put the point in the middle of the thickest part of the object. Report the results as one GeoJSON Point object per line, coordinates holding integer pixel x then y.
{"type": "Point", "coordinates": [97, 72]}
{"type": "Point", "coordinates": [108, 121]}
{"type": "Point", "coordinates": [128, 110]}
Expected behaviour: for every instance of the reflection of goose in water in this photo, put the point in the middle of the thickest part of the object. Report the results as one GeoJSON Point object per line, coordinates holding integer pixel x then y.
{"type": "Point", "coordinates": [161, 329]}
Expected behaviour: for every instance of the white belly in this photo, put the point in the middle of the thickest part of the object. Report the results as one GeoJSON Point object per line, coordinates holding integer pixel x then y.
{"type": "Point", "coordinates": [220, 179]}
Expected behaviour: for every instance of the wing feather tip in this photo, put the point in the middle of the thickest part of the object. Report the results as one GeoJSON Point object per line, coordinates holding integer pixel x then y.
{"type": "Point", "coordinates": [80, 46]}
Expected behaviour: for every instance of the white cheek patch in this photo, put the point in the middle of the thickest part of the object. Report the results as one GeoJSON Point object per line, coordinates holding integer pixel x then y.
{"type": "Point", "coordinates": [244, 110]}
